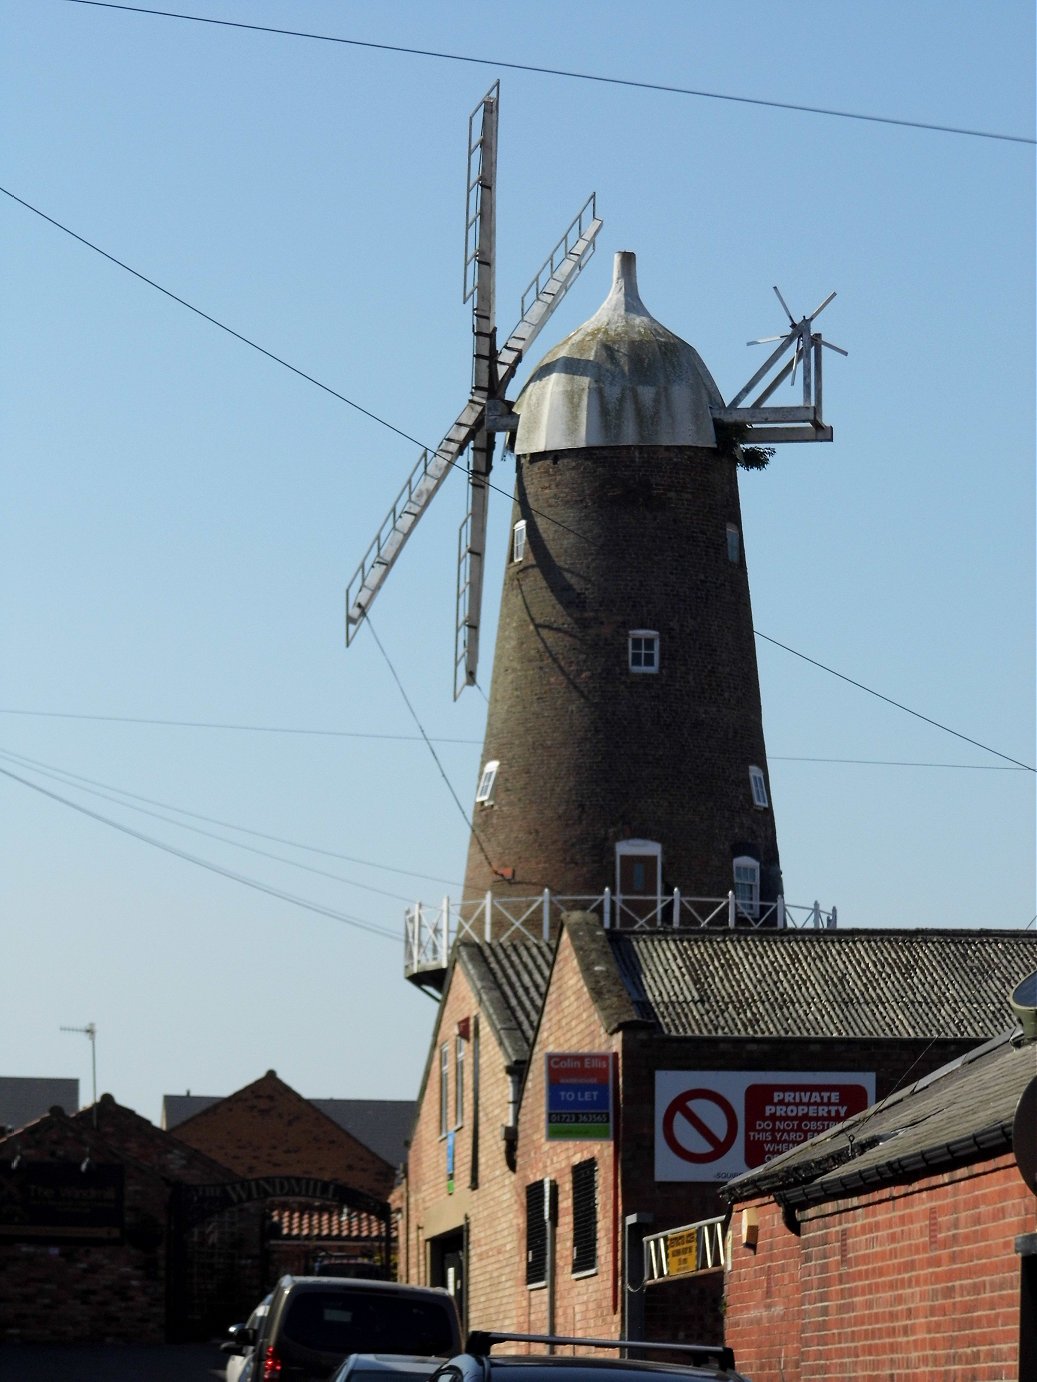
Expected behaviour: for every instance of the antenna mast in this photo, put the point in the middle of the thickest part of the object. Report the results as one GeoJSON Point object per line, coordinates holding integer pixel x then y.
{"type": "Point", "coordinates": [89, 1030]}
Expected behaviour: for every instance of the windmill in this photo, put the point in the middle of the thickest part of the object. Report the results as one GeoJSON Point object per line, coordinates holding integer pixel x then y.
{"type": "Point", "coordinates": [487, 411]}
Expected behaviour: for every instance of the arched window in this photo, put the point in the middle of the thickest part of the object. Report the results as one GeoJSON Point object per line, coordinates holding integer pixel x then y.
{"type": "Point", "coordinates": [758, 786]}
{"type": "Point", "coordinates": [518, 540]}
{"type": "Point", "coordinates": [747, 885]}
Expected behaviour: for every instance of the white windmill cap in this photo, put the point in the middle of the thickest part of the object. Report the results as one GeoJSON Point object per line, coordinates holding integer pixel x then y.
{"type": "Point", "coordinates": [620, 379]}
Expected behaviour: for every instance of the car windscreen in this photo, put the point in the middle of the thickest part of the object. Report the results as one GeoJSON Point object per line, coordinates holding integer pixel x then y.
{"type": "Point", "coordinates": [355, 1322]}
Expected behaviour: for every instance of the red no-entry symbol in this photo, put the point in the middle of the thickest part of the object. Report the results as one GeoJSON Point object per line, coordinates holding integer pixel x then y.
{"type": "Point", "coordinates": [696, 1138]}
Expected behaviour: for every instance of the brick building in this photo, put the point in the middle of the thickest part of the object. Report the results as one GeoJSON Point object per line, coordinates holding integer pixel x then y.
{"type": "Point", "coordinates": [627, 993]}
{"type": "Point", "coordinates": [726, 1003]}
{"type": "Point", "coordinates": [902, 1243]}
{"type": "Point", "coordinates": [85, 1244]}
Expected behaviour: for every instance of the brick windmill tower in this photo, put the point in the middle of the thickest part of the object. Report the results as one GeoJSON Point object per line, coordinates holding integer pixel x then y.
{"type": "Point", "coordinates": [624, 768]}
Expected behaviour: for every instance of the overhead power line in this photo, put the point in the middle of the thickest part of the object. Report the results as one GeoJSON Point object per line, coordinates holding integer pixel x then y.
{"type": "Point", "coordinates": [75, 779]}
{"type": "Point", "coordinates": [889, 701]}
{"type": "Point", "coordinates": [569, 74]}
{"type": "Point", "coordinates": [331, 912]}
{"type": "Point", "coordinates": [399, 432]}
{"type": "Point", "coordinates": [1009, 767]}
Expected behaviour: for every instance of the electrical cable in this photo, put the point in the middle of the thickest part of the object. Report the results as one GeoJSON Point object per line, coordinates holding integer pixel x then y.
{"type": "Point", "coordinates": [329, 912]}
{"type": "Point", "coordinates": [214, 321]}
{"type": "Point", "coordinates": [889, 701]}
{"type": "Point", "coordinates": [438, 739]}
{"type": "Point", "coordinates": [116, 800]}
{"type": "Point", "coordinates": [442, 772]}
{"type": "Point", "coordinates": [570, 75]}
{"type": "Point", "coordinates": [75, 779]}
{"type": "Point", "coordinates": [453, 464]}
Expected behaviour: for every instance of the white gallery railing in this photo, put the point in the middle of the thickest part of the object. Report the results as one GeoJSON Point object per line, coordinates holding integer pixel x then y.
{"type": "Point", "coordinates": [431, 930]}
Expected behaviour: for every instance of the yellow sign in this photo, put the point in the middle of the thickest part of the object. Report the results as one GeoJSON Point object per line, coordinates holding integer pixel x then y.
{"type": "Point", "coordinates": [682, 1251]}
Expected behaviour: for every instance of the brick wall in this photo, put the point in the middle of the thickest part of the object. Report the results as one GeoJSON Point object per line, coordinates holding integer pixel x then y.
{"type": "Point", "coordinates": [915, 1280]}
{"type": "Point", "coordinates": [591, 753]}
{"type": "Point", "coordinates": [59, 1292]}
{"type": "Point", "coordinates": [431, 1212]}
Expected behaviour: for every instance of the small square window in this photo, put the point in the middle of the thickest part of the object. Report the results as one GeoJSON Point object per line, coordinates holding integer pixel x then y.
{"type": "Point", "coordinates": [759, 787]}
{"type": "Point", "coordinates": [518, 540]}
{"type": "Point", "coordinates": [484, 793]}
{"type": "Point", "coordinates": [644, 650]}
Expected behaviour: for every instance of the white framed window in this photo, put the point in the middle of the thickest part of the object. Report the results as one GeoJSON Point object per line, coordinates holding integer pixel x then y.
{"type": "Point", "coordinates": [644, 650]}
{"type": "Point", "coordinates": [444, 1089]}
{"type": "Point", "coordinates": [518, 540]}
{"type": "Point", "coordinates": [747, 885]}
{"type": "Point", "coordinates": [758, 786]}
{"type": "Point", "coordinates": [484, 792]}
{"type": "Point", "coordinates": [734, 542]}
{"type": "Point", "coordinates": [639, 867]}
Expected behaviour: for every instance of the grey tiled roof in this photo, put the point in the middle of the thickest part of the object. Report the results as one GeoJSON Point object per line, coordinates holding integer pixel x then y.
{"type": "Point", "coordinates": [961, 1112]}
{"type": "Point", "coordinates": [942, 984]}
{"type": "Point", "coordinates": [510, 981]}
{"type": "Point", "coordinates": [383, 1125]}
{"type": "Point", "coordinates": [24, 1098]}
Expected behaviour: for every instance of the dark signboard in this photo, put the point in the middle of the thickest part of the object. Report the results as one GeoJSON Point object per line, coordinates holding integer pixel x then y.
{"type": "Point", "coordinates": [61, 1202]}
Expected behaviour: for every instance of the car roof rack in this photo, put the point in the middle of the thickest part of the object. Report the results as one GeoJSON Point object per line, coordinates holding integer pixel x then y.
{"type": "Point", "coordinates": [480, 1341]}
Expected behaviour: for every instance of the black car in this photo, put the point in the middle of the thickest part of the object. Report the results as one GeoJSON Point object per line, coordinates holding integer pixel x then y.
{"type": "Point", "coordinates": [314, 1322]}
{"type": "Point", "coordinates": [705, 1362]}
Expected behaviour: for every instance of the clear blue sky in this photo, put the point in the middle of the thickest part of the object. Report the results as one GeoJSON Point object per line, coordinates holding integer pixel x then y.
{"type": "Point", "coordinates": [180, 514]}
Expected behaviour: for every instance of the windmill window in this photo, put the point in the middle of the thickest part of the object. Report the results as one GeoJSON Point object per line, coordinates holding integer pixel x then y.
{"type": "Point", "coordinates": [518, 540]}
{"type": "Point", "coordinates": [747, 885]}
{"type": "Point", "coordinates": [585, 1217]}
{"type": "Point", "coordinates": [734, 543]}
{"type": "Point", "coordinates": [758, 785]}
{"type": "Point", "coordinates": [644, 650]}
{"type": "Point", "coordinates": [484, 794]}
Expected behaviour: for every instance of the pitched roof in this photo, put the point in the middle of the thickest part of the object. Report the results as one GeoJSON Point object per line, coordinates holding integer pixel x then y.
{"type": "Point", "coordinates": [510, 981]}
{"type": "Point", "coordinates": [962, 1112]}
{"type": "Point", "coordinates": [24, 1098]}
{"type": "Point", "coordinates": [382, 1125]}
{"type": "Point", "coordinates": [913, 984]}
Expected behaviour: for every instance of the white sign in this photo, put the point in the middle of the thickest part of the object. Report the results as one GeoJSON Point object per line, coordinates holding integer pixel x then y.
{"type": "Point", "coordinates": [714, 1124]}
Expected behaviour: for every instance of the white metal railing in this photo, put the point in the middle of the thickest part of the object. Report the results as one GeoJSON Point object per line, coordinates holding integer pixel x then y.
{"type": "Point", "coordinates": [430, 931]}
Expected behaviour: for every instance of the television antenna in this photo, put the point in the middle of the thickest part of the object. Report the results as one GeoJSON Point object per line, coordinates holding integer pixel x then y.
{"type": "Point", "coordinates": [487, 411]}
{"type": "Point", "coordinates": [803, 422]}
{"type": "Point", "coordinates": [89, 1030]}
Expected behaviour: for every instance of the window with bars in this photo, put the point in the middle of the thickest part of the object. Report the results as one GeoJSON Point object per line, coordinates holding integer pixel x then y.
{"type": "Point", "coordinates": [541, 1212]}
{"type": "Point", "coordinates": [585, 1216]}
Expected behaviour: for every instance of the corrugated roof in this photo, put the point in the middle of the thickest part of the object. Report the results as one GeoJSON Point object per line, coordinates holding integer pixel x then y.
{"type": "Point", "coordinates": [960, 1112]}
{"type": "Point", "coordinates": [510, 981]}
{"type": "Point", "coordinates": [942, 984]}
